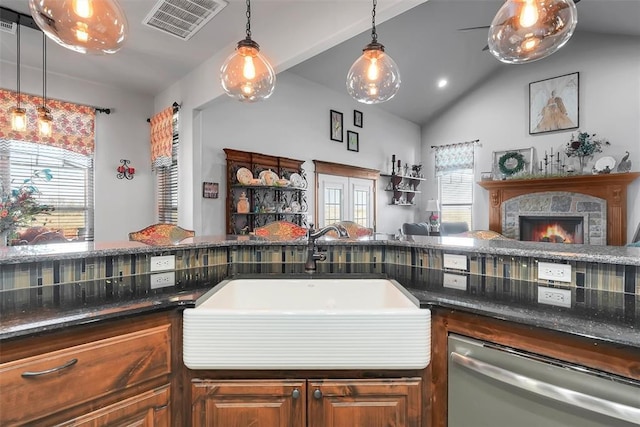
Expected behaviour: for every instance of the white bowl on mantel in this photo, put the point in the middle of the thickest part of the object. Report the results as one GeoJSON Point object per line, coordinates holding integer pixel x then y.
{"type": "Point", "coordinates": [307, 324]}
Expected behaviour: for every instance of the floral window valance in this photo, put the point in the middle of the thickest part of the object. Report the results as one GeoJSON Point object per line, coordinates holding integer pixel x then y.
{"type": "Point", "coordinates": [454, 157]}
{"type": "Point", "coordinates": [73, 124]}
{"type": "Point", "coordinates": [162, 138]}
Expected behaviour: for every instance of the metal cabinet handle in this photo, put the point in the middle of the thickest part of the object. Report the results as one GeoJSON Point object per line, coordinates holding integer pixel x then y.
{"type": "Point", "coordinates": [560, 394]}
{"type": "Point", "coordinates": [295, 393]}
{"type": "Point", "coordinates": [31, 374]}
{"type": "Point", "coordinates": [317, 394]}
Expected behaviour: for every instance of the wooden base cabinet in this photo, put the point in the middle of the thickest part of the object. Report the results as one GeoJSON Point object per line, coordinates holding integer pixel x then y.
{"type": "Point", "coordinates": [312, 403]}
{"type": "Point", "coordinates": [115, 373]}
{"type": "Point", "coordinates": [248, 403]}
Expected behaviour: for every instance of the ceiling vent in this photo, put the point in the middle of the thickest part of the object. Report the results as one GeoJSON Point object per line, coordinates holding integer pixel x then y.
{"type": "Point", "coordinates": [182, 18]}
{"type": "Point", "coordinates": [8, 27]}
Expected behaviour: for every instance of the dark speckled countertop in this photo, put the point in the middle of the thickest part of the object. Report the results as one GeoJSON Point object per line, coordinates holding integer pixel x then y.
{"type": "Point", "coordinates": [514, 306]}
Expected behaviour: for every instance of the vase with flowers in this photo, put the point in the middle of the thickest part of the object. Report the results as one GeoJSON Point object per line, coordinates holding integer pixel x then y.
{"type": "Point", "coordinates": [19, 206]}
{"type": "Point", "coordinates": [583, 146]}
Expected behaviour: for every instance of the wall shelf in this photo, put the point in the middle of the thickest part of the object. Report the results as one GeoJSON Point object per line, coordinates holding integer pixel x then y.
{"type": "Point", "coordinates": [404, 189]}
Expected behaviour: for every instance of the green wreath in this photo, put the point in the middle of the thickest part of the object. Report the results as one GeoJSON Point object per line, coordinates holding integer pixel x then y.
{"type": "Point", "coordinates": [519, 166]}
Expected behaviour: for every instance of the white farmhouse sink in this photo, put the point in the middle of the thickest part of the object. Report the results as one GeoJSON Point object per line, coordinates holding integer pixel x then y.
{"type": "Point", "coordinates": [307, 324]}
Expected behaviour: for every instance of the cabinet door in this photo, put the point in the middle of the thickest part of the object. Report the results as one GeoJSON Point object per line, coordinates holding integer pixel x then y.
{"type": "Point", "coordinates": [364, 403]}
{"type": "Point", "coordinates": [268, 403]}
{"type": "Point", "coordinates": [150, 409]}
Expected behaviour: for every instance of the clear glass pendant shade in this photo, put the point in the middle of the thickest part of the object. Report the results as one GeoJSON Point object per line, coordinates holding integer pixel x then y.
{"type": "Point", "coordinates": [86, 26]}
{"type": "Point", "coordinates": [45, 122]}
{"type": "Point", "coordinates": [246, 75]}
{"type": "Point", "coordinates": [528, 30]}
{"type": "Point", "coordinates": [374, 77]}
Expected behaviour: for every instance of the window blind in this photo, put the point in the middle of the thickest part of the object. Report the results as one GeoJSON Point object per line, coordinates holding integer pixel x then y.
{"type": "Point", "coordinates": [70, 190]}
{"type": "Point", "coordinates": [167, 182]}
{"type": "Point", "coordinates": [456, 196]}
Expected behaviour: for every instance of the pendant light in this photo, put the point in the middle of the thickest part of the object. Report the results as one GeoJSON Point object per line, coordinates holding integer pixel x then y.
{"type": "Point", "coordinates": [528, 30]}
{"type": "Point", "coordinates": [247, 75]}
{"type": "Point", "coordinates": [45, 119]}
{"type": "Point", "coordinates": [374, 77]}
{"type": "Point", "coordinates": [86, 26]}
{"type": "Point", "coordinates": [18, 114]}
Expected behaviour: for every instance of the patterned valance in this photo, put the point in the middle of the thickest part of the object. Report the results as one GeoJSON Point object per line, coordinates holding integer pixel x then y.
{"type": "Point", "coordinates": [73, 124]}
{"type": "Point", "coordinates": [162, 138]}
{"type": "Point", "coordinates": [454, 157]}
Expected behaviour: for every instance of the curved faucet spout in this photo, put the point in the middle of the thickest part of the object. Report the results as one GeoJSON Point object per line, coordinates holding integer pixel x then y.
{"type": "Point", "coordinates": [312, 235]}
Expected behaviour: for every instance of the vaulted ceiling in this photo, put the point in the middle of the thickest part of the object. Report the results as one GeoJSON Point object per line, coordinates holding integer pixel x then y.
{"type": "Point", "coordinates": [424, 41]}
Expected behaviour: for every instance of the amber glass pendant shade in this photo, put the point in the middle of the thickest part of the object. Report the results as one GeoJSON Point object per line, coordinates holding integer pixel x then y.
{"type": "Point", "coordinates": [528, 30]}
{"type": "Point", "coordinates": [18, 119]}
{"type": "Point", "coordinates": [85, 26]}
{"type": "Point", "coordinates": [246, 75]}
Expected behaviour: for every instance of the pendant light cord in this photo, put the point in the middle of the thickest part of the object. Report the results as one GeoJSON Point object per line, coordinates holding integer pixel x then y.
{"type": "Point", "coordinates": [374, 35]}
{"type": "Point", "coordinates": [248, 19]}
{"type": "Point", "coordinates": [18, 59]}
{"type": "Point", "coordinates": [44, 71]}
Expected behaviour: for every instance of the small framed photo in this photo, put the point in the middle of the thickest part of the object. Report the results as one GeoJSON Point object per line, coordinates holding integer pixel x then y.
{"type": "Point", "coordinates": [353, 143]}
{"type": "Point", "coordinates": [336, 126]}
{"type": "Point", "coordinates": [553, 104]}
{"type": "Point", "coordinates": [357, 118]}
{"type": "Point", "coordinates": [210, 190]}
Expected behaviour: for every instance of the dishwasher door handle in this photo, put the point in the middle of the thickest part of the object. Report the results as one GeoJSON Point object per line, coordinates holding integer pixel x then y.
{"type": "Point", "coordinates": [561, 394]}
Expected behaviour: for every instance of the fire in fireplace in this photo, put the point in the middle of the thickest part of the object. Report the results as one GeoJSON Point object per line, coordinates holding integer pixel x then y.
{"type": "Point", "coordinates": [564, 229]}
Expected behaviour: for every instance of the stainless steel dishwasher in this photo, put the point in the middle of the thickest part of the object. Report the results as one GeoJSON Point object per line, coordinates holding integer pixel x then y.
{"type": "Point", "coordinates": [492, 386]}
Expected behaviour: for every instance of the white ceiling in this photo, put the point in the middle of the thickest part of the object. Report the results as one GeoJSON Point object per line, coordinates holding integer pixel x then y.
{"type": "Point", "coordinates": [424, 42]}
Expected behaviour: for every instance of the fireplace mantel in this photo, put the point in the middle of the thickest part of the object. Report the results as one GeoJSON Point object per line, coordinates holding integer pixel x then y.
{"type": "Point", "coordinates": [610, 187]}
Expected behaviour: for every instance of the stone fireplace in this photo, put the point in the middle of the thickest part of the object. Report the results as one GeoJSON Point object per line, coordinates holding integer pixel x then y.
{"type": "Point", "coordinates": [600, 200]}
{"type": "Point", "coordinates": [556, 216]}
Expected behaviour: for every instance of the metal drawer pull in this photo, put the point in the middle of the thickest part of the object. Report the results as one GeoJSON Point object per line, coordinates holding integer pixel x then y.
{"type": "Point", "coordinates": [317, 394]}
{"type": "Point", "coordinates": [31, 374]}
{"type": "Point", "coordinates": [296, 393]}
{"type": "Point", "coordinates": [560, 394]}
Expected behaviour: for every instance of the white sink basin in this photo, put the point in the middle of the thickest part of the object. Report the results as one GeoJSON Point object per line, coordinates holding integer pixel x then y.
{"type": "Point", "coordinates": [307, 324]}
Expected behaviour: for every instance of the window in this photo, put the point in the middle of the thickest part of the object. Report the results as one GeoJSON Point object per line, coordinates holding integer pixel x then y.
{"type": "Point", "coordinates": [454, 169]}
{"type": "Point", "coordinates": [345, 199]}
{"type": "Point", "coordinates": [70, 190]}
{"type": "Point", "coordinates": [456, 196]}
{"type": "Point", "coordinates": [167, 181]}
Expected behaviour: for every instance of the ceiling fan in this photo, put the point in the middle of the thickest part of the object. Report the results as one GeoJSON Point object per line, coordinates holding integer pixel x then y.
{"type": "Point", "coordinates": [486, 27]}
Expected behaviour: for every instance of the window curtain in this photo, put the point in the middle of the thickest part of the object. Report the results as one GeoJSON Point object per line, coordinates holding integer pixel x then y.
{"type": "Point", "coordinates": [162, 138]}
{"type": "Point", "coordinates": [73, 124]}
{"type": "Point", "coordinates": [454, 157]}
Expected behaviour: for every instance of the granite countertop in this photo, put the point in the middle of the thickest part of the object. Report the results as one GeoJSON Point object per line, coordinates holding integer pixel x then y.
{"type": "Point", "coordinates": [620, 255]}
{"type": "Point", "coordinates": [598, 325]}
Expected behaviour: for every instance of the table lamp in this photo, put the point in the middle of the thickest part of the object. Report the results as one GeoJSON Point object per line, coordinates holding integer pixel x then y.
{"type": "Point", "coordinates": [433, 206]}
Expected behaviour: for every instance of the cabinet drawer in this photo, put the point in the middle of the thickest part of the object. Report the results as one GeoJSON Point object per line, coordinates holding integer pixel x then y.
{"type": "Point", "coordinates": [457, 262]}
{"type": "Point", "coordinates": [51, 382]}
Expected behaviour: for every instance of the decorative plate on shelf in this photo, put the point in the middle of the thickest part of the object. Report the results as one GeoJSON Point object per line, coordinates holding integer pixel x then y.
{"type": "Point", "coordinates": [244, 176]}
{"type": "Point", "coordinates": [269, 177]}
{"type": "Point", "coordinates": [603, 162]}
{"type": "Point", "coordinates": [296, 180]}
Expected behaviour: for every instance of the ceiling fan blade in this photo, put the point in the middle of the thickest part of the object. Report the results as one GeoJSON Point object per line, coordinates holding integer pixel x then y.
{"type": "Point", "coordinates": [474, 28]}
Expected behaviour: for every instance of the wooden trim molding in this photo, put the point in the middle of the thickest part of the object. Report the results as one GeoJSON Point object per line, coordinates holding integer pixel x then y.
{"type": "Point", "coordinates": [610, 187]}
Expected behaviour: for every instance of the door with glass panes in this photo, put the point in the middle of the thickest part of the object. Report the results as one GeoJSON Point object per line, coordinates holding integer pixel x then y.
{"type": "Point", "coordinates": [342, 198]}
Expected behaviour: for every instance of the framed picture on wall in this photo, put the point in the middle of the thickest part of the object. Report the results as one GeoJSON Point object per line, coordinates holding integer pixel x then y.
{"type": "Point", "coordinates": [553, 104]}
{"type": "Point", "coordinates": [353, 143]}
{"type": "Point", "coordinates": [210, 190]}
{"type": "Point", "coordinates": [336, 133]}
{"type": "Point", "coordinates": [357, 118]}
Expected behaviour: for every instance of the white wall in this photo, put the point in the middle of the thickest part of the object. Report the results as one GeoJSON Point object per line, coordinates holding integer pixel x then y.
{"type": "Point", "coordinates": [121, 205]}
{"type": "Point", "coordinates": [497, 112]}
{"type": "Point", "coordinates": [294, 123]}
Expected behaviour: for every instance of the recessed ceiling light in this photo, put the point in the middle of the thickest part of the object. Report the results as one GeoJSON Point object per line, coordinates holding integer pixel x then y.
{"type": "Point", "coordinates": [442, 83]}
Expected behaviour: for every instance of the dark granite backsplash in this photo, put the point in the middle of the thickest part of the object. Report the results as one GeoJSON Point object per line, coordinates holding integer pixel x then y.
{"type": "Point", "coordinates": [612, 290]}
